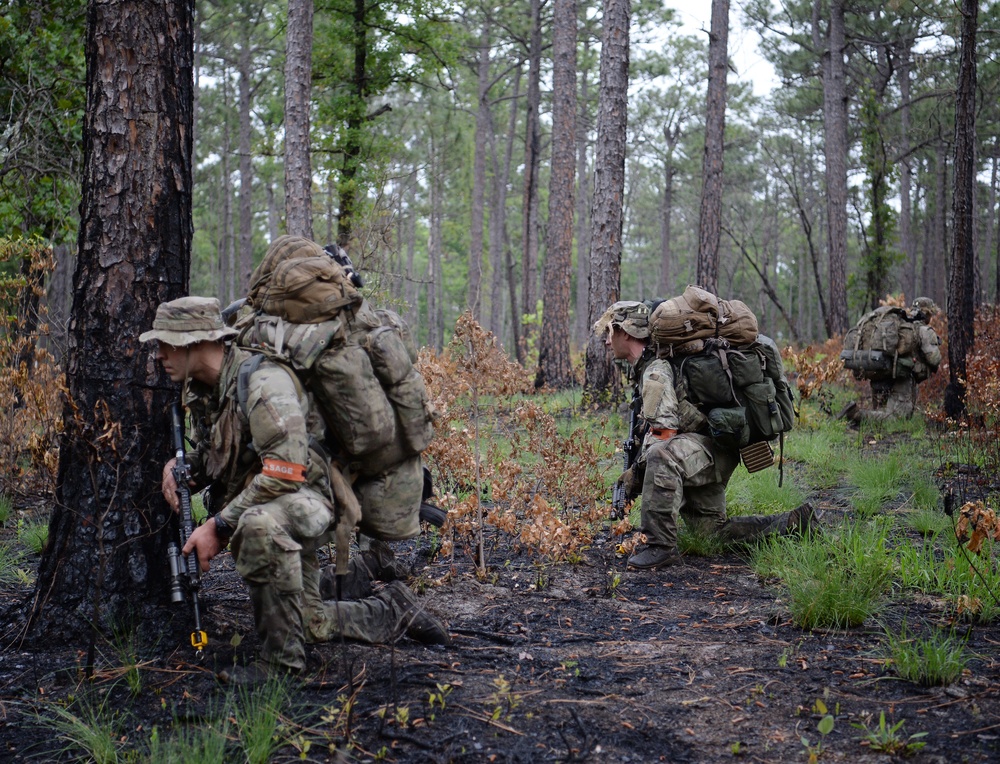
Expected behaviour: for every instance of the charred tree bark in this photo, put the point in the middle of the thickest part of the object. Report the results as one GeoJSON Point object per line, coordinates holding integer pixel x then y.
{"type": "Point", "coordinates": [298, 98]}
{"type": "Point", "coordinates": [607, 211]}
{"type": "Point", "coordinates": [553, 347]}
{"type": "Point", "coordinates": [107, 535]}
{"type": "Point", "coordinates": [710, 217]}
{"type": "Point", "coordinates": [961, 281]}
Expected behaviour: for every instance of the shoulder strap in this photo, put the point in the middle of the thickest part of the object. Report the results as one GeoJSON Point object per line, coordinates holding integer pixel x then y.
{"type": "Point", "coordinates": [247, 369]}
{"type": "Point", "coordinates": [250, 366]}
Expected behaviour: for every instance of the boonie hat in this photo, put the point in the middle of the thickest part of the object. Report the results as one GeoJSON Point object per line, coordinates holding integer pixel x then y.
{"type": "Point", "coordinates": [631, 315]}
{"type": "Point", "coordinates": [188, 320]}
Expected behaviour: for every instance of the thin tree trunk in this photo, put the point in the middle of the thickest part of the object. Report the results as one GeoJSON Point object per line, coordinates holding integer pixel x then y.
{"type": "Point", "coordinates": [581, 331]}
{"type": "Point", "coordinates": [553, 348]}
{"type": "Point", "coordinates": [710, 217]}
{"type": "Point", "coordinates": [477, 212]}
{"type": "Point", "coordinates": [245, 255]}
{"type": "Point", "coordinates": [906, 240]}
{"type": "Point", "coordinates": [532, 140]}
{"type": "Point", "coordinates": [835, 129]}
{"type": "Point", "coordinates": [961, 282]}
{"type": "Point", "coordinates": [498, 218]}
{"type": "Point", "coordinates": [607, 212]}
{"type": "Point", "coordinates": [298, 99]}
{"type": "Point", "coordinates": [435, 323]}
{"type": "Point", "coordinates": [671, 134]}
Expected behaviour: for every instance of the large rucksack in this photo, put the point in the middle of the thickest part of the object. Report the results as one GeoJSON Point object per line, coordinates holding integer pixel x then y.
{"type": "Point", "coordinates": [887, 344]}
{"type": "Point", "coordinates": [697, 315]}
{"type": "Point", "coordinates": [732, 376]}
{"type": "Point", "coordinates": [741, 390]}
{"type": "Point", "coordinates": [358, 364]}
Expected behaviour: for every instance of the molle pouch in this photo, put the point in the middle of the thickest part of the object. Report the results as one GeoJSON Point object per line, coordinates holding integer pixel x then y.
{"type": "Point", "coordinates": [358, 414]}
{"type": "Point", "coordinates": [746, 366]}
{"type": "Point", "coordinates": [728, 427]}
{"type": "Point", "coordinates": [904, 367]}
{"type": "Point", "coordinates": [390, 359]}
{"type": "Point", "coordinates": [707, 380]}
{"type": "Point", "coordinates": [763, 414]}
{"type": "Point", "coordinates": [414, 410]}
{"type": "Point", "coordinates": [393, 319]}
{"type": "Point", "coordinates": [689, 417]}
{"type": "Point", "coordinates": [786, 404]}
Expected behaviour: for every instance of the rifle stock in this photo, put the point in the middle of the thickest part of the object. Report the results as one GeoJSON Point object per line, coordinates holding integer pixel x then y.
{"type": "Point", "coordinates": [184, 573]}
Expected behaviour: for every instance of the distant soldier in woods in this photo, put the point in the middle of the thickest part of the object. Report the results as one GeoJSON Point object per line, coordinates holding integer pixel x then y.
{"type": "Point", "coordinates": [895, 349]}
{"type": "Point", "coordinates": [281, 494]}
{"type": "Point", "coordinates": [682, 468]}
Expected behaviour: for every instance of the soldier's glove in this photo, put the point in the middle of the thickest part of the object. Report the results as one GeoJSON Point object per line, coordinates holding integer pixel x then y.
{"type": "Point", "coordinates": [631, 481]}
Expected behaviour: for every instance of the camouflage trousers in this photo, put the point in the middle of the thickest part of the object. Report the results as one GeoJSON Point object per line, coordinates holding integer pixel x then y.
{"type": "Point", "coordinates": [687, 476]}
{"type": "Point", "coordinates": [892, 399]}
{"type": "Point", "coordinates": [275, 551]}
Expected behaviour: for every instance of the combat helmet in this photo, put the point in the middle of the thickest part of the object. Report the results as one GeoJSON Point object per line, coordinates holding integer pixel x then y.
{"type": "Point", "coordinates": [925, 305]}
{"type": "Point", "coordinates": [631, 316]}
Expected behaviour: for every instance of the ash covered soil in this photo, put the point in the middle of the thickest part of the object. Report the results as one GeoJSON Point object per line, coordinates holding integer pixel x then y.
{"type": "Point", "coordinates": [550, 663]}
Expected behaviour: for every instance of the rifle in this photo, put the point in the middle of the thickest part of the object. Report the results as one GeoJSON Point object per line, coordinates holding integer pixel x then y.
{"type": "Point", "coordinates": [184, 575]}
{"type": "Point", "coordinates": [631, 447]}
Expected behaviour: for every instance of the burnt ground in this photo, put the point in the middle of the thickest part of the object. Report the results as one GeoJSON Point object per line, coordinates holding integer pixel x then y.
{"type": "Point", "coordinates": [550, 663]}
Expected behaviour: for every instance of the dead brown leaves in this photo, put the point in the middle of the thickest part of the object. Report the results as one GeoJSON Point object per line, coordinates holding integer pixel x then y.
{"type": "Point", "coordinates": [31, 383]}
{"type": "Point", "coordinates": [976, 523]}
{"type": "Point", "coordinates": [544, 489]}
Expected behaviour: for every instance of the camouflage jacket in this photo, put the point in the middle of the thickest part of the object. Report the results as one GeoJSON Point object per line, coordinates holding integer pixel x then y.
{"type": "Point", "coordinates": [261, 453]}
{"type": "Point", "coordinates": [663, 403]}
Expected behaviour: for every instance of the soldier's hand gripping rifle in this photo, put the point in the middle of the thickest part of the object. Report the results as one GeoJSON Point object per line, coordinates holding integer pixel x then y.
{"type": "Point", "coordinates": [184, 574]}
{"type": "Point", "coordinates": [631, 447]}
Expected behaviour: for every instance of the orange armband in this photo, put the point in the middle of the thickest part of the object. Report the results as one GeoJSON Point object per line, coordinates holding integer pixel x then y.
{"type": "Point", "coordinates": [661, 433]}
{"type": "Point", "coordinates": [296, 473]}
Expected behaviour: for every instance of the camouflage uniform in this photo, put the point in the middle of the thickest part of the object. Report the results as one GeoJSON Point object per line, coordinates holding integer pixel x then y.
{"type": "Point", "coordinates": [684, 470]}
{"type": "Point", "coordinates": [686, 474]}
{"type": "Point", "coordinates": [278, 498]}
{"type": "Point", "coordinates": [897, 398]}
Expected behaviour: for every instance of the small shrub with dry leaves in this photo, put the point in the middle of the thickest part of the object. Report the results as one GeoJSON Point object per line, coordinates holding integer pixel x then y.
{"type": "Point", "coordinates": [498, 454]}
{"type": "Point", "coordinates": [31, 382]}
{"type": "Point", "coordinates": [976, 523]}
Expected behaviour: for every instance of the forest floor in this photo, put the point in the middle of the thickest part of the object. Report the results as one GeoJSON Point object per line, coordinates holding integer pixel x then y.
{"type": "Point", "coordinates": [549, 663]}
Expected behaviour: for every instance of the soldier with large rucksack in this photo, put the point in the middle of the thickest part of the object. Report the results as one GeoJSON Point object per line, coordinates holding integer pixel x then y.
{"type": "Point", "coordinates": [280, 495]}
{"type": "Point", "coordinates": [709, 392]}
{"type": "Point", "coordinates": [895, 349]}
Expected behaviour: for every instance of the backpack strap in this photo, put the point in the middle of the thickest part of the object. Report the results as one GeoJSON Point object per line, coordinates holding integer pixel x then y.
{"type": "Point", "coordinates": [247, 369]}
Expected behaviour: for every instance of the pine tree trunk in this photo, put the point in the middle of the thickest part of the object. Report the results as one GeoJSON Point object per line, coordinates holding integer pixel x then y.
{"type": "Point", "coordinates": [298, 99]}
{"type": "Point", "coordinates": [961, 282]}
{"type": "Point", "coordinates": [710, 216]}
{"type": "Point", "coordinates": [906, 239]}
{"type": "Point", "coordinates": [607, 212]}
{"type": "Point", "coordinates": [581, 331]}
{"type": "Point", "coordinates": [477, 212]}
{"type": "Point", "coordinates": [835, 128]}
{"type": "Point", "coordinates": [532, 140]}
{"type": "Point", "coordinates": [106, 557]}
{"type": "Point", "coordinates": [244, 265]}
{"type": "Point", "coordinates": [553, 347]}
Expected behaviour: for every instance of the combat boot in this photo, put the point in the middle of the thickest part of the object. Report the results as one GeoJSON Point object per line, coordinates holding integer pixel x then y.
{"type": "Point", "coordinates": [802, 520]}
{"type": "Point", "coordinates": [377, 563]}
{"type": "Point", "coordinates": [653, 557]}
{"type": "Point", "coordinates": [411, 616]}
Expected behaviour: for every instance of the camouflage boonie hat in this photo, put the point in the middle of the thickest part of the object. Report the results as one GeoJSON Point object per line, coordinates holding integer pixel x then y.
{"type": "Point", "coordinates": [188, 320]}
{"type": "Point", "coordinates": [631, 316]}
{"type": "Point", "coordinates": [925, 304]}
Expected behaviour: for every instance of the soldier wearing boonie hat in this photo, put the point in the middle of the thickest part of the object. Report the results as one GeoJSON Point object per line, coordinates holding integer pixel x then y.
{"type": "Point", "coordinates": [680, 469]}
{"type": "Point", "coordinates": [278, 492]}
{"type": "Point", "coordinates": [186, 321]}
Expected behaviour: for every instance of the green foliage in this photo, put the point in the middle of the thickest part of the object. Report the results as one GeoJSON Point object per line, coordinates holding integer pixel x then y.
{"type": "Point", "coordinates": [260, 718]}
{"type": "Point", "coordinates": [938, 659]}
{"type": "Point", "coordinates": [889, 740]}
{"type": "Point", "coordinates": [91, 728]}
{"type": "Point", "coordinates": [877, 481]}
{"type": "Point", "coordinates": [33, 535]}
{"type": "Point", "coordinates": [201, 744]}
{"type": "Point", "coordinates": [833, 580]}
{"type": "Point", "coordinates": [759, 493]}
